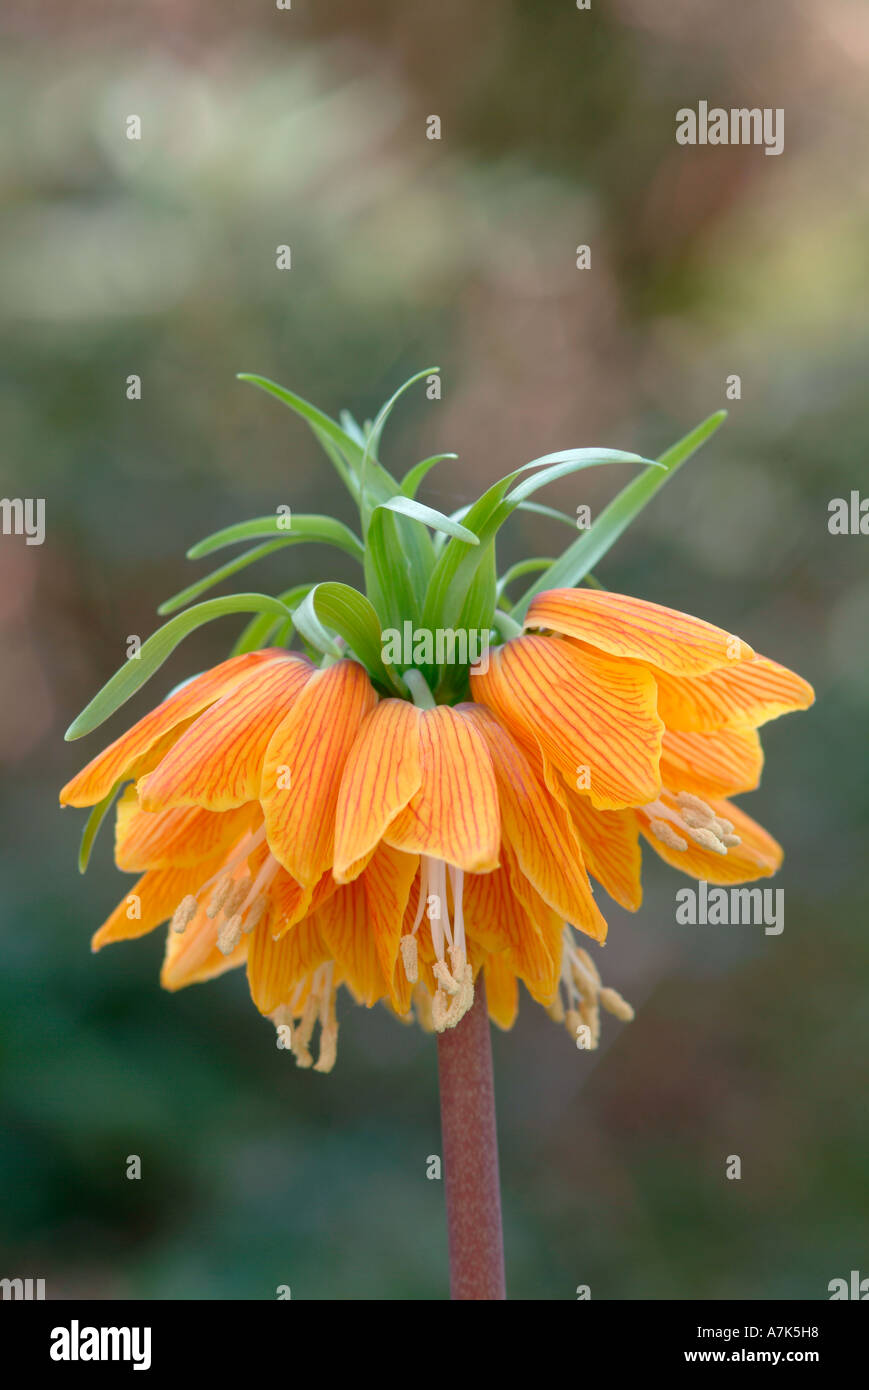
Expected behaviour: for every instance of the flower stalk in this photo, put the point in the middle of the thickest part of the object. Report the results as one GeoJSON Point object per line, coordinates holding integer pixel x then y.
{"type": "Point", "coordinates": [470, 1144]}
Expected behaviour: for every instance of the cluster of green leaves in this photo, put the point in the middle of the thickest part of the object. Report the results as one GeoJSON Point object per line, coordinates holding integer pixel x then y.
{"type": "Point", "coordinates": [437, 571]}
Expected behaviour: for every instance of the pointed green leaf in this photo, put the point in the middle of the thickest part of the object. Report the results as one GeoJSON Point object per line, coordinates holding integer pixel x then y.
{"type": "Point", "coordinates": [304, 527]}
{"type": "Point", "coordinates": [412, 479]}
{"type": "Point", "coordinates": [94, 821]}
{"type": "Point", "coordinates": [408, 506]}
{"type": "Point", "coordinates": [137, 670]}
{"type": "Point", "coordinates": [201, 586]}
{"type": "Point", "coordinates": [594, 543]}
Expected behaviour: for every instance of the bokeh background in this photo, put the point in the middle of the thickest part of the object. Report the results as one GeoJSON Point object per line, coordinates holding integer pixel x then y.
{"type": "Point", "coordinates": [308, 127]}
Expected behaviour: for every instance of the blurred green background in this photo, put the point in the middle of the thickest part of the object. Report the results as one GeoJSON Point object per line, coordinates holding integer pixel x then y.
{"type": "Point", "coordinates": [157, 257]}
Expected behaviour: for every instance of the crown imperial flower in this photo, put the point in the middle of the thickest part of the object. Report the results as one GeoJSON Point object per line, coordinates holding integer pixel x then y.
{"type": "Point", "coordinates": [327, 818]}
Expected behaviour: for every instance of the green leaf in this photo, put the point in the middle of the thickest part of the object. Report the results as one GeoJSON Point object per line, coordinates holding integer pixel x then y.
{"type": "Point", "coordinates": [350, 614]}
{"type": "Point", "coordinates": [264, 630]}
{"type": "Point", "coordinates": [170, 605]}
{"type": "Point", "coordinates": [407, 506]}
{"type": "Point", "coordinates": [519, 570]}
{"type": "Point", "coordinates": [137, 670]}
{"type": "Point", "coordinates": [571, 567]}
{"type": "Point", "coordinates": [348, 458]}
{"type": "Point", "coordinates": [304, 527]}
{"type": "Point", "coordinates": [372, 442]}
{"type": "Point", "coordinates": [412, 479]}
{"type": "Point", "coordinates": [457, 563]}
{"type": "Point", "coordinates": [94, 821]}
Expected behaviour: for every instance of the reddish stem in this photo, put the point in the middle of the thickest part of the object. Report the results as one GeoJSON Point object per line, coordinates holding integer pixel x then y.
{"type": "Point", "coordinates": [471, 1156]}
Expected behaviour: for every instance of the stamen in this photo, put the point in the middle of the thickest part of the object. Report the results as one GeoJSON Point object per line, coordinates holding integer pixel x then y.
{"type": "Point", "coordinates": [236, 896]}
{"type": "Point", "coordinates": [663, 832]}
{"type": "Point", "coordinates": [229, 935]}
{"type": "Point", "coordinates": [442, 974]}
{"type": "Point", "coordinates": [255, 914]}
{"type": "Point", "coordinates": [615, 1004]}
{"type": "Point", "coordinates": [707, 839]}
{"type": "Point", "coordinates": [409, 958]}
{"type": "Point", "coordinates": [689, 802]}
{"type": "Point", "coordinates": [184, 913]}
{"type": "Point", "coordinates": [303, 1030]}
{"type": "Point", "coordinates": [219, 897]}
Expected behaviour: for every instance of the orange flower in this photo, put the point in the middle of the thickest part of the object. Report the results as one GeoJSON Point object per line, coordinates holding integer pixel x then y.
{"type": "Point", "coordinates": [288, 818]}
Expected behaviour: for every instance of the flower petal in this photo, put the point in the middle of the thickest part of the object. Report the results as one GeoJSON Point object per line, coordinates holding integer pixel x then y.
{"type": "Point", "coordinates": [537, 830]}
{"type": "Point", "coordinates": [192, 957]}
{"type": "Point", "coordinates": [635, 628]}
{"type": "Point", "coordinates": [382, 773]}
{"type": "Point", "coordinates": [343, 922]}
{"type": "Point", "coordinates": [217, 762]}
{"type": "Point", "coordinates": [746, 694]}
{"type": "Point", "coordinates": [124, 757]}
{"type": "Point", "coordinates": [274, 968]}
{"type": "Point", "coordinates": [502, 991]}
{"type": "Point", "coordinates": [454, 815]}
{"type": "Point", "coordinates": [610, 846]}
{"type": "Point", "coordinates": [720, 764]}
{"type": "Point", "coordinates": [303, 766]}
{"type": "Point", "coordinates": [757, 856]}
{"type": "Point", "coordinates": [387, 880]}
{"type": "Point", "coordinates": [153, 900]}
{"type": "Point", "coordinates": [182, 837]}
{"type": "Point", "coordinates": [584, 710]}
{"type": "Point", "coordinates": [496, 918]}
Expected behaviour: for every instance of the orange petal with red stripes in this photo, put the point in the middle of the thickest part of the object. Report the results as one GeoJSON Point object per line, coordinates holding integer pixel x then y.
{"type": "Point", "coordinates": [387, 881]}
{"type": "Point", "coordinates": [635, 628]}
{"type": "Point", "coordinates": [610, 845]}
{"type": "Point", "coordinates": [586, 711]}
{"type": "Point", "coordinates": [274, 968]}
{"type": "Point", "coordinates": [182, 837]}
{"type": "Point", "coordinates": [719, 764]}
{"type": "Point", "coordinates": [122, 758]}
{"type": "Point", "coordinates": [217, 762]}
{"type": "Point", "coordinates": [746, 694]}
{"type": "Point", "coordinates": [537, 830]}
{"type": "Point", "coordinates": [381, 775]}
{"type": "Point", "coordinates": [151, 901]}
{"type": "Point", "coordinates": [454, 816]}
{"type": "Point", "coordinates": [345, 928]}
{"type": "Point", "coordinates": [498, 921]}
{"type": "Point", "coordinates": [192, 957]}
{"type": "Point", "coordinates": [502, 991]}
{"type": "Point", "coordinates": [303, 766]}
{"type": "Point", "coordinates": [757, 855]}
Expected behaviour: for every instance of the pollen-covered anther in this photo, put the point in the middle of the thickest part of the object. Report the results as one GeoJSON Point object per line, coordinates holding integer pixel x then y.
{"type": "Point", "coordinates": [328, 1048]}
{"type": "Point", "coordinates": [707, 839]}
{"type": "Point", "coordinates": [219, 896]}
{"type": "Point", "coordinates": [463, 1000]}
{"type": "Point", "coordinates": [254, 914]}
{"type": "Point", "coordinates": [409, 958]}
{"type": "Point", "coordinates": [667, 835]}
{"type": "Point", "coordinates": [184, 913]}
{"type": "Point", "coordinates": [615, 1004]}
{"type": "Point", "coordinates": [235, 898]}
{"type": "Point", "coordinates": [229, 935]}
{"type": "Point", "coordinates": [302, 1032]}
{"type": "Point", "coordinates": [696, 807]}
{"type": "Point", "coordinates": [442, 974]}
